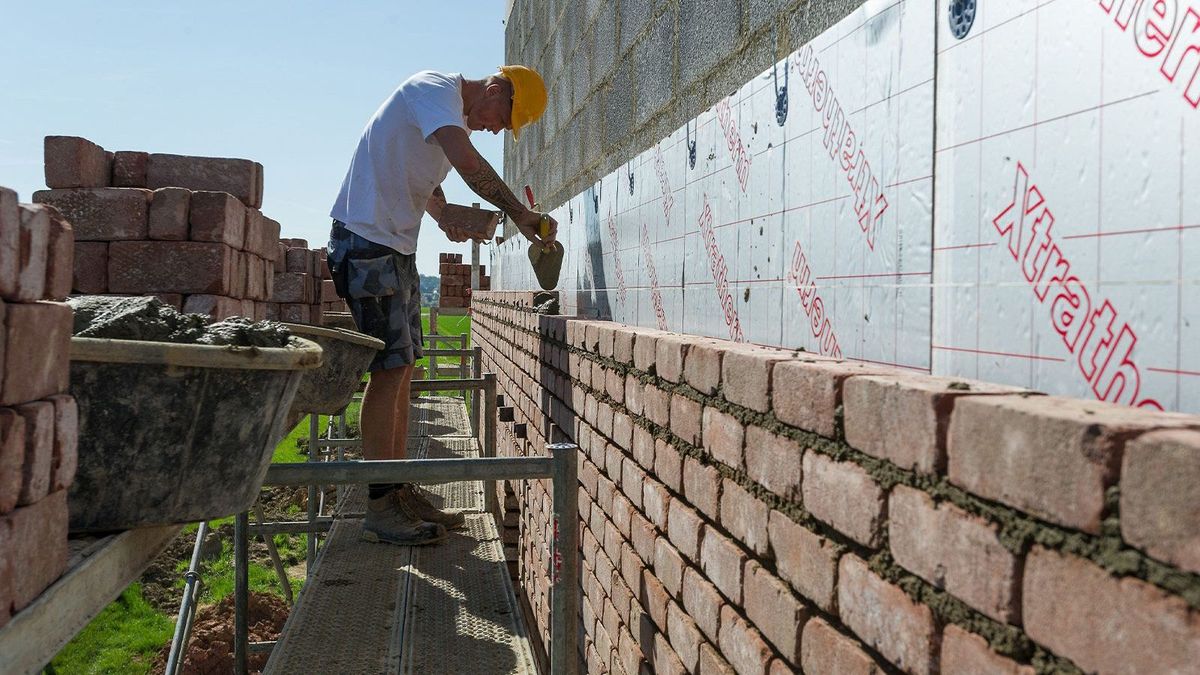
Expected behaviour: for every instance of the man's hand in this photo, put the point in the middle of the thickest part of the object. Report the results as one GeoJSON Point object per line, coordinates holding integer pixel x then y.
{"type": "Point", "coordinates": [528, 224]}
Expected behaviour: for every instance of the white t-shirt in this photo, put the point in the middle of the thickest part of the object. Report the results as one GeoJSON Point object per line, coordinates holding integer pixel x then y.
{"type": "Point", "coordinates": [398, 161]}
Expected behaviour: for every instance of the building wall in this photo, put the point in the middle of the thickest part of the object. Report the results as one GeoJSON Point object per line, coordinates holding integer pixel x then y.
{"type": "Point", "coordinates": [624, 73]}
{"type": "Point", "coordinates": [757, 510]}
{"type": "Point", "coordinates": [1006, 200]}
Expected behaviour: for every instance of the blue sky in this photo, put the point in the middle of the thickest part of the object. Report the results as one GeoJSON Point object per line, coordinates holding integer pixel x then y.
{"type": "Point", "coordinates": [288, 84]}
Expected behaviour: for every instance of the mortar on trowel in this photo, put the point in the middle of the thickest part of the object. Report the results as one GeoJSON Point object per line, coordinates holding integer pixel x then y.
{"type": "Point", "coordinates": [546, 260]}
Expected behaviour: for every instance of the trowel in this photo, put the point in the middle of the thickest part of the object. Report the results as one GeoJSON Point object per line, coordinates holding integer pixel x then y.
{"type": "Point", "coordinates": [546, 260]}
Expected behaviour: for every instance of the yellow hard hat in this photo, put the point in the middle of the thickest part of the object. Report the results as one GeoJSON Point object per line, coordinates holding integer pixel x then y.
{"type": "Point", "coordinates": [529, 95]}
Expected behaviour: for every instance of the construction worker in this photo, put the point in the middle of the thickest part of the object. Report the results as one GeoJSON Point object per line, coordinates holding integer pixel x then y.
{"type": "Point", "coordinates": [406, 151]}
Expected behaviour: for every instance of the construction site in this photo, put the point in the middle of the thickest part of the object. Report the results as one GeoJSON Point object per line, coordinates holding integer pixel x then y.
{"type": "Point", "coordinates": [880, 368]}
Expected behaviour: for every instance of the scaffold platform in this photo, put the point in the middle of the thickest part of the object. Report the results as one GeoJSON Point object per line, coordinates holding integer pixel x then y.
{"type": "Point", "coordinates": [378, 608]}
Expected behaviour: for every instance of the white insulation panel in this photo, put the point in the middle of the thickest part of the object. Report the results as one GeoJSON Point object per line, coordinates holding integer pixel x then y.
{"type": "Point", "coordinates": [1014, 206]}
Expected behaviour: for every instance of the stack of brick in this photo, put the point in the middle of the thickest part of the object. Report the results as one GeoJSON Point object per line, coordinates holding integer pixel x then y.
{"type": "Point", "coordinates": [754, 510]}
{"type": "Point", "coordinates": [456, 281]}
{"type": "Point", "coordinates": [186, 229]}
{"type": "Point", "coordinates": [38, 418]}
{"type": "Point", "coordinates": [330, 301]}
{"type": "Point", "coordinates": [297, 296]}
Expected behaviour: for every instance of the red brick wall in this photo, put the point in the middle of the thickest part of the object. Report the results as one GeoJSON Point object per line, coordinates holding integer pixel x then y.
{"type": "Point", "coordinates": [754, 510]}
{"type": "Point", "coordinates": [38, 419]}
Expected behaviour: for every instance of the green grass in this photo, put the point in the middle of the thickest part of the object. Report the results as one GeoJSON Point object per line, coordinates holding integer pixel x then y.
{"type": "Point", "coordinates": [124, 638]}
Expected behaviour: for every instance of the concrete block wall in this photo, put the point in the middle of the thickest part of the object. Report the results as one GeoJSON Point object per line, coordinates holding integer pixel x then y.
{"type": "Point", "coordinates": [623, 74]}
{"type": "Point", "coordinates": [38, 418]}
{"type": "Point", "coordinates": [755, 510]}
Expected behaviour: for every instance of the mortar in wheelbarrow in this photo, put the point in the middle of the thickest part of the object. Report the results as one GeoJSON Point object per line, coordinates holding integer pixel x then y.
{"type": "Point", "coordinates": [176, 433]}
{"type": "Point", "coordinates": [328, 389]}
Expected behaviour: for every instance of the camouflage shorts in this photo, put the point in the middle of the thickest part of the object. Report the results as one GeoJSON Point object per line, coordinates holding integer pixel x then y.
{"type": "Point", "coordinates": [383, 290]}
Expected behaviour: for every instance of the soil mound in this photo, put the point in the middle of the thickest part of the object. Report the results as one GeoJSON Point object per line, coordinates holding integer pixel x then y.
{"type": "Point", "coordinates": [210, 651]}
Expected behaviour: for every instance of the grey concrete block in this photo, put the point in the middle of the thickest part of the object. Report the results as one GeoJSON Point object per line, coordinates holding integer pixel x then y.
{"type": "Point", "coordinates": [709, 32]}
{"type": "Point", "coordinates": [635, 16]}
{"type": "Point", "coordinates": [812, 18]}
{"type": "Point", "coordinates": [655, 62]}
{"type": "Point", "coordinates": [604, 44]}
{"type": "Point", "coordinates": [763, 13]}
{"type": "Point", "coordinates": [581, 78]}
{"type": "Point", "coordinates": [591, 129]}
{"type": "Point", "coordinates": [730, 75]}
{"type": "Point", "coordinates": [618, 105]}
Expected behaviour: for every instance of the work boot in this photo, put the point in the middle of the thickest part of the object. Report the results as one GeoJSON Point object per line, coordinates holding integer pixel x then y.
{"type": "Point", "coordinates": [392, 522]}
{"type": "Point", "coordinates": [422, 508]}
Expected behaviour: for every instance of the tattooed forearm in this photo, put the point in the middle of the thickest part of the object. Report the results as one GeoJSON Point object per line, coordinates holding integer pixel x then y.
{"type": "Point", "coordinates": [491, 187]}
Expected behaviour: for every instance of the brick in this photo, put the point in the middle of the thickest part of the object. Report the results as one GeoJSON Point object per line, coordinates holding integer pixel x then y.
{"type": "Point", "coordinates": [744, 516]}
{"type": "Point", "coordinates": [38, 546]}
{"type": "Point", "coordinates": [668, 566]}
{"type": "Point", "coordinates": [955, 551]}
{"type": "Point", "coordinates": [37, 345]}
{"type": "Point", "coordinates": [722, 561]}
{"type": "Point", "coordinates": [666, 661]}
{"type": "Point", "coordinates": [216, 306]}
{"type": "Point", "coordinates": [35, 244]}
{"type": "Point", "coordinates": [239, 177]}
{"type": "Point", "coordinates": [90, 274]}
{"type": "Point", "coordinates": [168, 215]}
{"type": "Point", "coordinates": [654, 597]}
{"type": "Point", "coordinates": [270, 247]}
{"type": "Point", "coordinates": [685, 636]}
{"type": "Point", "coordinates": [746, 374]}
{"type": "Point", "coordinates": [329, 291]}
{"type": "Point", "coordinates": [1160, 496]}
{"type": "Point", "coordinates": [806, 392]}
{"type": "Point", "coordinates": [658, 405]}
{"type": "Point", "coordinates": [643, 448]}
{"type": "Point", "coordinates": [965, 652]}
{"type": "Point", "coordinates": [743, 646]}
{"type": "Point", "coordinates": [669, 355]}
{"type": "Point", "coordinates": [298, 260]}
{"type": "Point", "coordinates": [1066, 600]}
{"type": "Point", "coordinates": [702, 487]}
{"type": "Point", "coordinates": [170, 267]}
{"type": "Point", "coordinates": [702, 369]}
{"type": "Point", "coordinates": [685, 529]}
{"type": "Point", "coordinates": [774, 462]}
{"type": "Point", "coordinates": [10, 241]}
{"type": "Point", "coordinates": [724, 437]}
{"type": "Point", "coordinates": [631, 655]}
{"type": "Point", "coordinates": [623, 344]}
{"type": "Point", "coordinates": [73, 162]}
{"type": "Point", "coordinates": [772, 607]}
{"type": "Point", "coordinates": [64, 458]}
{"type": "Point", "coordinates": [903, 417]}
{"type": "Point", "coordinates": [60, 258]}
{"type": "Point", "coordinates": [668, 465]}
{"type": "Point", "coordinates": [1051, 457]}
{"type": "Point", "coordinates": [844, 496]}
{"type": "Point", "coordinates": [702, 602]}
{"type": "Point", "coordinates": [634, 395]}
{"type": "Point", "coordinates": [39, 451]}
{"type": "Point", "coordinates": [252, 232]}
{"type": "Point", "coordinates": [711, 662]}
{"type": "Point", "coordinates": [101, 214]}
{"type": "Point", "coordinates": [622, 429]}
{"type": "Point", "coordinates": [645, 348]}
{"type": "Point", "coordinates": [805, 559]}
{"type": "Point", "coordinates": [12, 463]}
{"type": "Point", "coordinates": [129, 168]}
{"type": "Point", "coordinates": [217, 216]}
{"type": "Point", "coordinates": [656, 501]}
{"type": "Point", "coordinates": [901, 630]}
{"type": "Point", "coordinates": [605, 335]}
{"type": "Point", "coordinates": [686, 420]}
{"type": "Point", "coordinates": [824, 650]}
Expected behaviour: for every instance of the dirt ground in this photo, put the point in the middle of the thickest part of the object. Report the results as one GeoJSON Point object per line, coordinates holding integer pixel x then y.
{"type": "Point", "coordinates": [210, 651]}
